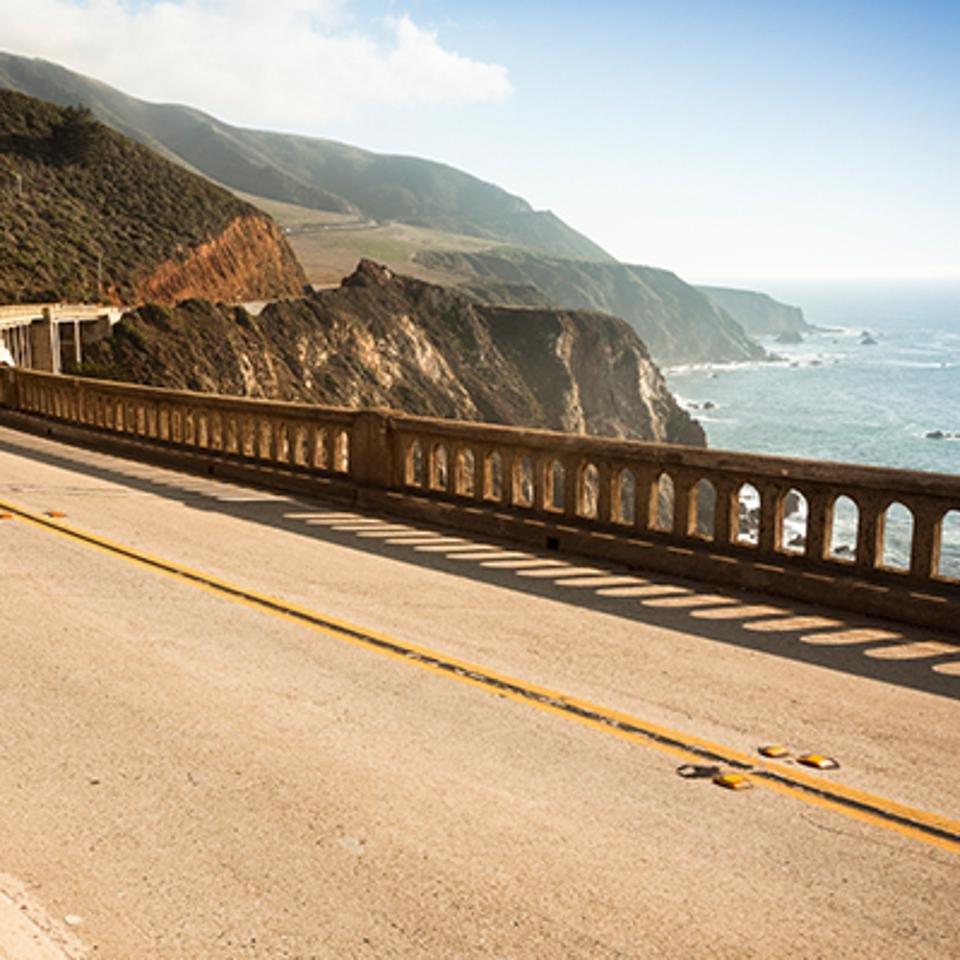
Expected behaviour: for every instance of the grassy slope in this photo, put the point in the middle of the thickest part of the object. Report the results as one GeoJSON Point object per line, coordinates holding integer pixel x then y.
{"type": "Point", "coordinates": [115, 198]}
{"type": "Point", "coordinates": [328, 245]}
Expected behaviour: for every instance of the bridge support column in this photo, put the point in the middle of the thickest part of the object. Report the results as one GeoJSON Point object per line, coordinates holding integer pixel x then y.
{"type": "Point", "coordinates": [45, 344]}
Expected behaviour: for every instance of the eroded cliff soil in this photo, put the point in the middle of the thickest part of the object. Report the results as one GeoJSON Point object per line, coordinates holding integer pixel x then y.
{"type": "Point", "coordinates": [387, 340]}
{"type": "Point", "coordinates": [249, 260]}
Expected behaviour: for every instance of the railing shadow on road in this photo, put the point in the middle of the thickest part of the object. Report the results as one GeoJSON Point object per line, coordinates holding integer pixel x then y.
{"type": "Point", "coordinates": [912, 657]}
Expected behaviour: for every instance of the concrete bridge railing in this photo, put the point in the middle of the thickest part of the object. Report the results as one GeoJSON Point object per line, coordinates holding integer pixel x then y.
{"type": "Point", "coordinates": [769, 523]}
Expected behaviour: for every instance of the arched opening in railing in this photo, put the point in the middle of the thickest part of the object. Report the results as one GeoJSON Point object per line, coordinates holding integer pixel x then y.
{"type": "Point", "coordinates": [896, 544]}
{"type": "Point", "coordinates": [588, 491]}
{"type": "Point", "coordinates": [465, 481]}
{"type": "Point", "coordinates": [523, 481]}
{"type": "Point", "coordinates": [949, 565]}
{"type": "Point", "coordinates": [661, 504]}
{"type": "Point", "coordinates": [794, 510]}
{"type": "Point", "coordinates": [748, 515]}
{"type": "Point", "coordinates": [844, 526]}
{"type": "Point", "coordinates": [555, 483]}
{"type": "Point", "coordinates": [439, 473]}
{"type": "Point", "coordinates": [625, 497]}
{"type": "Point", "coordinates": [341, 452]}
{"type": "Point", "coordinates": [413, 466]}
{"type": "Point", "coordinates": [703, 510]}
{"type": "Point", "coordinates": [493, 477]}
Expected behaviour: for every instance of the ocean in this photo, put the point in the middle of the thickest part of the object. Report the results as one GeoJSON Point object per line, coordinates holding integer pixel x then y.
{"type": "Point", "coordinates": [834, 397]}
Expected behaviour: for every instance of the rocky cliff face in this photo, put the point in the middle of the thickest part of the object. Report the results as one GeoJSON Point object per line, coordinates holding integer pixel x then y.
{"type": "Point", "coordinates": [387, 340]}
{"type": "Point", "coordinates": [249, 260]}
{"type": "Point", "coordinates": [758, 313]}
{"type": "Point", "coordinates": [676, 321]}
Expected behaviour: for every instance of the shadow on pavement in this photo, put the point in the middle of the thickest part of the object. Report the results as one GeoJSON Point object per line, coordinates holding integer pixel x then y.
{"type": "Point", "coordinates": [900, 654]}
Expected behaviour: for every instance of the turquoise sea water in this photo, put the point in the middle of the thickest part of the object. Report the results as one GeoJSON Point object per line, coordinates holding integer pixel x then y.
{"type": "Point", "coordinates": [832, 398]}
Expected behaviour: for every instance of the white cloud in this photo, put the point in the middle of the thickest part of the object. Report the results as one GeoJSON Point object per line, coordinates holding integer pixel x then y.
{"type": "Point", "coordinates": [294, 64]}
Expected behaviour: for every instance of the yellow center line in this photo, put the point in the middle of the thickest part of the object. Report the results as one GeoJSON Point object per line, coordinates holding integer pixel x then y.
{"type": "Point", "coordinates": [869, 808]}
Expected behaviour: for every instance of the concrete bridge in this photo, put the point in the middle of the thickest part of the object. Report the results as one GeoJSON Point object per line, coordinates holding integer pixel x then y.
{"type": "Point", "coordinates": [283, 679]}
{"type": "Point", "coordinates": [49, 336]}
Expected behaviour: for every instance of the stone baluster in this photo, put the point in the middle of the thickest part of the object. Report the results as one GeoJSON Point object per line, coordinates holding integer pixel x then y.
{"type": "Point", "coordinates": [506, 475]}
{"type": "Point", "coordinates": [869, 531]}
{"type": "Point", "coordinates": [314, 445]}
{"type": "Point", "coordinates": [927, 533]}
{"type": "Point", "coordinates": [571, 485]}
{"type": "Point", "coordinates": [605, 480]}
{"type": "Point", "coordinates": [771, 514]}
{"type": "Point", "coordinates": [542, 481]}
{"type": "Point", "coordinates": [330, 445]}
{"type": "Point", "coordinates": [819, 523]}
{"type": "Point", "coordinates": [722, 508]}
{"type": "Point", "coordinates": [683, 483]}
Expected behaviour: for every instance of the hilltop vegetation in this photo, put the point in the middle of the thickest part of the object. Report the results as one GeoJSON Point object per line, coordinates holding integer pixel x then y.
{"type": "Point", "coordinates": [77, 198]}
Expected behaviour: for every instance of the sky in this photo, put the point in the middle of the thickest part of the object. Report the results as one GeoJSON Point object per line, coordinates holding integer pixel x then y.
{"type": "Point", "coordinates": [724, 140]}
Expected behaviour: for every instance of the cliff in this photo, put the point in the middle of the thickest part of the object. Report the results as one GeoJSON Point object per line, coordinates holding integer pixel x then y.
{"type": "Point", "coordinates": [676, 322]}
{"type": "Point", "coordinates": [89, 214]}
{"type": "Point", "coordinates": [249, 260]}
{"type": "Point", "coordinates": [387, 340]}
{"type": "Point", "coordinates": [759, 314]}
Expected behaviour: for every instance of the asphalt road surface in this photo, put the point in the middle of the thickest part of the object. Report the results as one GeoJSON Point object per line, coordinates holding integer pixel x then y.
{"type": "Point", "coordinates": [236, 724]}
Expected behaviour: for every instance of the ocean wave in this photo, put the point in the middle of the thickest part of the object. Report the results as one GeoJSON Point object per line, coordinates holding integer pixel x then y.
{"type": "Point", "coordinates": [723, 421]}
{"type": "Point", "coordinates": [720, 367]}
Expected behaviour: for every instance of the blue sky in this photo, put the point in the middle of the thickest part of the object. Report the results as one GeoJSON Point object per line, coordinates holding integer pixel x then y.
{"type": "Point", "coordinates": [723, 140]}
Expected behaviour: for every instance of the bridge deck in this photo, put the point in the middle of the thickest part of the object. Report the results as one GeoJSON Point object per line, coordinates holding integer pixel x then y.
{"type": "Point", "coordinates": [238, 724]}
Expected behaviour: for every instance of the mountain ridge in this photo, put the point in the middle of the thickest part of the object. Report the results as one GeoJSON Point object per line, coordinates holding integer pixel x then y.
{"type": "Point", "coordinates": [678, 323]}
{"type": "Point", "coordinates": [289, 168]}
{"type": "Point", "coordinates": [758, 313]}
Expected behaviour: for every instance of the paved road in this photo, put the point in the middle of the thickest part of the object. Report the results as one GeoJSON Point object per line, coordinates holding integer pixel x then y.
{"type": "Point", "coordinates": [240, 725]}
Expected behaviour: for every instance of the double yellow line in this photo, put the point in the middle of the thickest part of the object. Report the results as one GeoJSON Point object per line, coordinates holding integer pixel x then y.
{"type": "Point", "coordinates": [878, 811]}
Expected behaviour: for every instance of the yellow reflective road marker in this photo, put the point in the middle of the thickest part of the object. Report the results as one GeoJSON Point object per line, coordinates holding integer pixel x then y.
{"type": "Point", "coordinates": [819, 761]}
{"type": "Point", "coordinates": [733, 781]}
{"type": "Point", "coordinates": [773, 750]}
{"type": "Point", "coordinates": [868, 808]}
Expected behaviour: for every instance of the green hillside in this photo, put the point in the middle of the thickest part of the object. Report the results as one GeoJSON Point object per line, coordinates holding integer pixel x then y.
{"type": "Point", "coordinates": [306, 171]}
{"type": "Point", "coordinates": [75, 194]}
